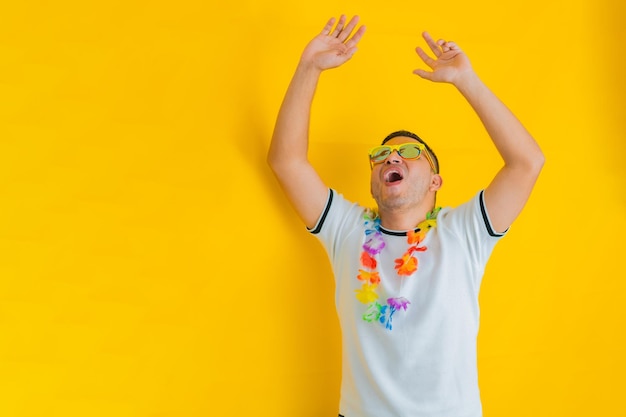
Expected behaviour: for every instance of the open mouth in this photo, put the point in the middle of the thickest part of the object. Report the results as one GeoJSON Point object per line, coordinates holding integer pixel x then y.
{"type": "Point", "coordinates": [393, 176]}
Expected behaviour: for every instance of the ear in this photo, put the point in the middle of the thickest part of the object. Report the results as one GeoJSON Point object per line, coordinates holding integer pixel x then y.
{"type": "Point", "coordinates": [436, 182]}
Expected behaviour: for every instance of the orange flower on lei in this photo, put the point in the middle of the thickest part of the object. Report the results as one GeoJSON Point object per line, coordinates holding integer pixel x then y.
{"type": "Point", "coordinates": [369, 276]}
{"type": "Point", "coordinates": [406, 265]}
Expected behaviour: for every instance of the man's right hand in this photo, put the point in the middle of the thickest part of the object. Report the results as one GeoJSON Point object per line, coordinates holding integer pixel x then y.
{"type": "Point", "coordinates": [333, 47]}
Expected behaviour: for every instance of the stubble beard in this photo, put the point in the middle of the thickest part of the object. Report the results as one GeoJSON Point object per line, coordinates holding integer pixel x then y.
{"type": "Point", "coordinates": [404, 201]}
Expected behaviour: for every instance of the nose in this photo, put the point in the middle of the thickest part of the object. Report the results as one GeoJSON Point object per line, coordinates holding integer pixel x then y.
{"type": "Point", "coordinates": [394, 158]}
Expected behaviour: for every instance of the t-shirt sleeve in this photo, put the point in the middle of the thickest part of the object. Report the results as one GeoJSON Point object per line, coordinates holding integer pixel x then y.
{"type": "Point", "coordinates": [339, 218]}
{"type": "Point", "coordinates": [471, 224]}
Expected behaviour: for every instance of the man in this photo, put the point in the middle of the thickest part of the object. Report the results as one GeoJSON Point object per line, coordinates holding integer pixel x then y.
{"type": "Point", "coordinates": [407, 275]}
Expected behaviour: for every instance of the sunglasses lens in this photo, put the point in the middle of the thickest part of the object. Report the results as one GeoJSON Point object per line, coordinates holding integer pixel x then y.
{"type": "Point", "coordinates": [380, 154]}
{"type": "Point", "coordinates": [410, 151]}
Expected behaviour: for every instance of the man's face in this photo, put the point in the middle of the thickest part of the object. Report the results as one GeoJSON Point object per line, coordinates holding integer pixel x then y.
{"type": "Point", "coordinates": [397, 182]}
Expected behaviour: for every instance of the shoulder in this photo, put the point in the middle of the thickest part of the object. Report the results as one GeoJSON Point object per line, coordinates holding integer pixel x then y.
{"type": "Point", "coordinates": [339, 211]}
{"type": "Point", "coordinates": [470, 216]}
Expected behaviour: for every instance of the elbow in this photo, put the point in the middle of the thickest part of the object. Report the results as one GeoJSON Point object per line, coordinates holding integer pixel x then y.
{"type": "Point", "coordinates": [276, 164]}
{"type": "Point", "coordinates": [269, 160]}
{"type": "Point", "coordinates": [529, 166]}
{"type": "Point", "coordinates": [534, 165]}
{"type": "Point", "coordinates": [534, 160]}
{"type": "Point", "coordinates": [538, 161]}
{"type": "Point", "coordinates": [272, 160]}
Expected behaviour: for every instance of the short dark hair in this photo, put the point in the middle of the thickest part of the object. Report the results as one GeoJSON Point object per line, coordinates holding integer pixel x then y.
{"type": "Point", "coordinates": [406, 133]}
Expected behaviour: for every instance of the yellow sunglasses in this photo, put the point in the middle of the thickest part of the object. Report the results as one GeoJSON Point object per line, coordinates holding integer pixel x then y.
{"type": "Point", "coordinates": [412, 150]}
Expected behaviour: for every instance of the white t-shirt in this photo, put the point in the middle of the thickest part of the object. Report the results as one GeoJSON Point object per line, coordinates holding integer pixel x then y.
{"type": "Point", "coordinates": [422, 363]}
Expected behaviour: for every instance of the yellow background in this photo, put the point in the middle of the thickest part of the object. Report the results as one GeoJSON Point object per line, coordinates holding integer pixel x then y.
{"type": "Point", "coordinates": [150, 266]}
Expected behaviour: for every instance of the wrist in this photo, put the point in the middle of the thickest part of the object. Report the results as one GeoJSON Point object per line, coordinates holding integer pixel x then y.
{"type": "Point", "coordinates": [308, 66]}
{"type": "Point", "coordinates": [467, 82]}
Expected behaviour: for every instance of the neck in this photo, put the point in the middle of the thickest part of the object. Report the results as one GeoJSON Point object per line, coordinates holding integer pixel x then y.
{"type": "Point", "coordinates": [403, 219]}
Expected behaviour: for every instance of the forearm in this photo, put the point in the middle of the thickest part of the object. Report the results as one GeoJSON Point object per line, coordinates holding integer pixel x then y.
{"type": "Point", "coordinates": [290, 139]}
{"type": "Point", "coordinates": [287, 155]}
{"type": "Point", "coordinates": [514, 143]}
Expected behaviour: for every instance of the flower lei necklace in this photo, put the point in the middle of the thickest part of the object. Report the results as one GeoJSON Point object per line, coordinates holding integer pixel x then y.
{"type": "Point", "coordinates": [405, 266]}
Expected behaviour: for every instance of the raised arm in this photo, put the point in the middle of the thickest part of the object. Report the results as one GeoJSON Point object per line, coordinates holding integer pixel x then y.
{"type": "Point", "coordinates": [289, 147]}
{"type": "Point", "coordinates": [508, 192]}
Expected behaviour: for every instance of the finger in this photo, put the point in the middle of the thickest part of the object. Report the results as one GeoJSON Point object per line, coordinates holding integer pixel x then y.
{"type": "Point", "coordinates": [453, 46]}
{"type": "Point", "coordinates": [345, 33]}
{"type": "Point", "coordinates": [424, 74]}
{"type": "Point", "coordinates": [432, 44]}
{"type": "Point", "coordinates": [447, 46]}
{"type": "Point", "coordinates": [329, 26]}
{"type": "Point", "coordinates": [339, 27]}
{"type": "Point", "coordinates": [354, 40]}
{"type": "Point", "coordinates": [424, 56]}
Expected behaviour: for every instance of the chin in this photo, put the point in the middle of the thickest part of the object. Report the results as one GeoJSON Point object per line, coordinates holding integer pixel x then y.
{"type": "Point", "coordinates": [393, 202]}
